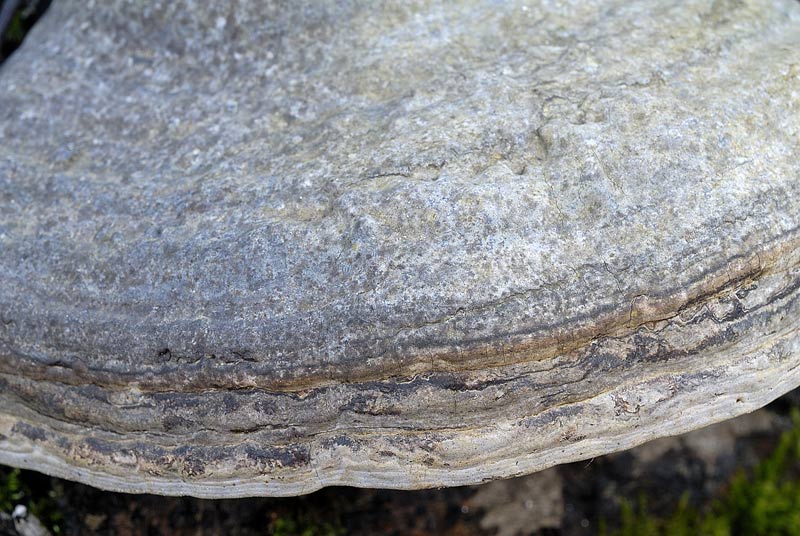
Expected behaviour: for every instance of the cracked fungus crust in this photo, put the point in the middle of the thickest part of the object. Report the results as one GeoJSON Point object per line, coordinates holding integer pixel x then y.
{"type": "Point", "coordinates": [259, 248]}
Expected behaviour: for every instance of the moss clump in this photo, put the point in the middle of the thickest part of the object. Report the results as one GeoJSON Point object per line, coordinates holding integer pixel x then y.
{"type": "Point", "coordinates": [11, 492]}
{"type": "Point", "coordinates": [303, 526]}
{"type": "Point", "coordinates": [16, 29]}
{"type": "Point", "coordinates": [15, 490]}
{"type": "Point", "coordinates": [765, 501]}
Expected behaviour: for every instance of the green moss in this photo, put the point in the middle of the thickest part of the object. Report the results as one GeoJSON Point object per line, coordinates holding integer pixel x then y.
{"type": "Point", "coordinates": [11, 492]}
{"type": "Point", "coordinates": [300, 526]}
{"type": "Point", "coordinates": [764, 501]}
{"type": "Point", "coordinates": [16, 28]}
{"type": "Point", "coordinates": [14, 490]}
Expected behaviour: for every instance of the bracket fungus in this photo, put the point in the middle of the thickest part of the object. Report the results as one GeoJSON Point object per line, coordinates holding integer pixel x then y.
{"type": "Point", "coordinates": [257, 248]}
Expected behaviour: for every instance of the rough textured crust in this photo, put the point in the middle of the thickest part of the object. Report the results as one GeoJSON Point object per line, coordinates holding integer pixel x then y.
{"type": "Point", "coordinates": [350, 247]}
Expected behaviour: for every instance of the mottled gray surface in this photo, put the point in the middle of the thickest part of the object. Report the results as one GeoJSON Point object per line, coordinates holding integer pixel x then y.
{"type": "Point", "coordinates": [262, 247]}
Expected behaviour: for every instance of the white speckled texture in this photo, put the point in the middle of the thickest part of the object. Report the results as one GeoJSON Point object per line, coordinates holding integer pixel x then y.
{"type": "Point", "coordinates": [256, 248]}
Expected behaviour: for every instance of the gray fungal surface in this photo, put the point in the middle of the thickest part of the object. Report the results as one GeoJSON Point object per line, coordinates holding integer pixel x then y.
{"type": "Point", "coordinates": [257, 248]}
